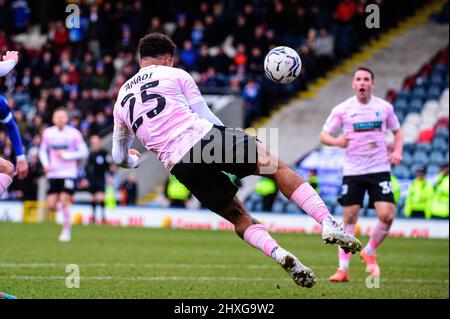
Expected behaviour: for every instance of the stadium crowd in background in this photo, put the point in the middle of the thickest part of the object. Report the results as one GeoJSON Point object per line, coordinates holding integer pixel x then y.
{"type": "Point", "coordinates": [82, 68]}
{"type": "Point", "coordinates": [222, 44]}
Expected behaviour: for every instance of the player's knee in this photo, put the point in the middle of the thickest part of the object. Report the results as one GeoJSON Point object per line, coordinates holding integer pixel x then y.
{"type": "Point", "coordinates": [351, 215]}
{"type": "Point", "coordinates": [65, 199]}
{"type": "Point", "coordinates": [268, 165]}
{"type": "Point", "coordinates": [7, 168]}
{"type": "Point", "coordinates": [51, 206]}
{"type": "Point", "coordinates": [387, 218]}
{"type": "Point", "coordinates": [349, 220]}
{"type": "Point", "coordinates": [279, 168]}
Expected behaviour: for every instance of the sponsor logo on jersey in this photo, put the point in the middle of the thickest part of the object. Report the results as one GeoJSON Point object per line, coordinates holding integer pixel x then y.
{"type": "Point", "coordinates": [367, 126]}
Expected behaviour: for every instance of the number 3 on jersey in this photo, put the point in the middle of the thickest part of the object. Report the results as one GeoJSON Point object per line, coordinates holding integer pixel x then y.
{"type": "Point", "coordinates": [386, 187]}
{"type": "Point", "coordinates": [145, 97]}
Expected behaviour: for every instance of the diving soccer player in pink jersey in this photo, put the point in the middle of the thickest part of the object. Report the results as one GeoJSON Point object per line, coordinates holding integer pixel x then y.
{"type": "Point", "coordinates": [163, 107]}
{"type": "Point", "coordinates": [364, 120]}
{"type": "Point", "coordinates": [61, 150]}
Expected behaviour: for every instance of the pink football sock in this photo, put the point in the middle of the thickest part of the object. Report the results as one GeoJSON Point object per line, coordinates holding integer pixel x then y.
{"type": "Point", "coordinates": [344, 258]}
{"type": "Point", "coordinates": [257, 236]}
{"type": "Point", "coordinates": [379, 234]}
{"type": "Point", "coordinates": [5, 181]}
{"type": "Point", "coordinates": [67, 223]}
{"type": "Point", "coordinates": [307, 199]}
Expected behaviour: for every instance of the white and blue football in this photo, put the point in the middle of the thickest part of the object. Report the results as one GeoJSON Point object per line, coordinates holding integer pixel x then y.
{"type": "Point", "coordinates": [282, 65]}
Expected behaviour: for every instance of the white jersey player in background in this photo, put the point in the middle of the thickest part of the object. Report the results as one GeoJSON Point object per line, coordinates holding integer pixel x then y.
{"type": "Point", "coordinates": [61, 150]}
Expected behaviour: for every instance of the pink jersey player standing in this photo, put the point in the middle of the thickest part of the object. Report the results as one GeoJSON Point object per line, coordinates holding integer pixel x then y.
{"type": "Point", "coordinates": [61, 150]}
{"type": "Point", "coordinates": [364, 120]}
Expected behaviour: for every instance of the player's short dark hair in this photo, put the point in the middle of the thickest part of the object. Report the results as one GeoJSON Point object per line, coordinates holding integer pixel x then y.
{"type": "Point", "coordinates": [363, 68]}
{"type": "Point", "coordinates": [156, 44]}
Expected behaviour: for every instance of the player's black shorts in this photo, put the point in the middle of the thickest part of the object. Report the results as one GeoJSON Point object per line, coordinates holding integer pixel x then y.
{"type": "Point", "coordinates": [202, 169]}
{"type": "Point", "coordinates": [97, 185]}
{"type": "Point", "coordinates": [61, 185]}
{"type": "Point", "coordinates": [378, 185]}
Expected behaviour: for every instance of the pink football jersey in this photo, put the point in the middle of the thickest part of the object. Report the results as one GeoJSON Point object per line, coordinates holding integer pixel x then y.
{"type": "Point", "coordinates": [56, 141]}
{"type": "Point", "coordinates": [366, 125]}
{"type": "Point", "coordinates": [154, 106]}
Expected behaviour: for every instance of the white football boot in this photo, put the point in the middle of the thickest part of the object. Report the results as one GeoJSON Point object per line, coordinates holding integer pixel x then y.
{"type": "Point", "coordinates": [333, 233]}
{"type": "Point", "coordinates": [302, 275]}
{"type": "Point", "coordinates": [65, 236]}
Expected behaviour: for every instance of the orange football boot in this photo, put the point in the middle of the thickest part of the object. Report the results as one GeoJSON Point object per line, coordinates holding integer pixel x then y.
{"type": "Point", "coordinates": [371, 263]}
{"type": "Point", "coordinates": [340, 276]}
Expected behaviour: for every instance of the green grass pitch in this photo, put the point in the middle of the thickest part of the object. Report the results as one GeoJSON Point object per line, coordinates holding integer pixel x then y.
{"type": "Point", "coordinates": [162, 263]}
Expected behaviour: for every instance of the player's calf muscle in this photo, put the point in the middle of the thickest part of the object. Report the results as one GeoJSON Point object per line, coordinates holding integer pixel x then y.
{"type": "Point", "coordinates": [286, 178]}
{"type": "Point", "coordinates": [236, 214]}
{"type": "Point", "coordinates": [351, 214]}
{"type": "Point", "coordinates": [270, 166]}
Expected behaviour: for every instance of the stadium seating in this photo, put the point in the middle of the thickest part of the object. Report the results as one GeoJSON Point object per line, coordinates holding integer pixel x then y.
{"type": "Point", "coordinates": [420, 158]}
{"type": "Point", "coordinates": [442, 134]}
{"type": "Point", "coordinates": [423, 147]}
{"type": "Point", "coordinates": [432, 169]}
{"type": "Point", "coordinates": [436, 158]}
{"type": "Point", "coordinates": [407, 158]}
{"type": "Point", "coordinates": [278, 207]}
{"type": "Point", "coordinates": [440, 145]}
{"type": "Point", "coordinates": [425, 124]}
{"type": "Point", "coordinates": [402, 171]}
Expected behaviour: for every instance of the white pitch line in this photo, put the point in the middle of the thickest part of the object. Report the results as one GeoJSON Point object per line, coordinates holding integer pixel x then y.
{"type": "Point", "coordinates": [201, 278]}
{"type": "Point", "coordinates": [157, 265]}
{"type": "Point", "coordinates": [105, 265]}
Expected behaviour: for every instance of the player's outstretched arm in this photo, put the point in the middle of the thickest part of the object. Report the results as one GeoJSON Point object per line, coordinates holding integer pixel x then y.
{"type": "Point", "coordinates": [21, 161]}
{"type": "Point", "coordinates": [10, 60]}
{"type": "Point", "coordinates": [81, 153]}
{"type": "Point", "coordinates": [12, 130]}
{"type": "Point", "coordinates": [122, 154]}
{"type": "Point", "coordinates": [202, 109]}
{"type": "Point", "coordinates": [81, 150]}
{"type": "Point", "coordinates": [43, 154]}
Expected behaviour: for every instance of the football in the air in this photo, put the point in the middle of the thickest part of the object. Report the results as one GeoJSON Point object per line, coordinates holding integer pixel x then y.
{"type": "Point", "coordinates": [282, 65]}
